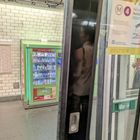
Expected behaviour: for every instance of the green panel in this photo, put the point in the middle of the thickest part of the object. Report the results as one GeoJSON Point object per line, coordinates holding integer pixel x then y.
{"type": "Point", "coordinates": [96, 82]}
{"type": "Point", "coordinates": [124, 105]}
{"type": "Point", "coordinates": [26, 75]}
{"type": "Point", "coordinates": [40, 89]}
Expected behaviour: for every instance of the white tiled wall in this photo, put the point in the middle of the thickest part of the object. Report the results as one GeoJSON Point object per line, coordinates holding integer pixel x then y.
{"type": "Point", "coordinates": [19, 22]}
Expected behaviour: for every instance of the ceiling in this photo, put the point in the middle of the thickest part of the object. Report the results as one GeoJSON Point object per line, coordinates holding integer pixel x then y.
{"type": "Point", "coordinates": [48, 3]}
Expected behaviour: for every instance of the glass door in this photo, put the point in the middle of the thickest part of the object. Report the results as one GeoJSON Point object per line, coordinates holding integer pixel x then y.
{"type": "Point", "coordinates": [120, 97]}
{"type": "Point", "coordinates": [81, 33]}
{"type": "Point", "coordinates": [118, 70]}
{"type": "Point", "coordinates": [125, 94]}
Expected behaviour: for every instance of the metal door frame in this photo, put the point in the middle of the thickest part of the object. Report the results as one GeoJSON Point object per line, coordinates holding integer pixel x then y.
{"type": "Point", "coordinates": [68, 5]}
{"type": "Point", "coordinates": [137, 120]}
{"type": "Point", "coordinates": [67, 31]}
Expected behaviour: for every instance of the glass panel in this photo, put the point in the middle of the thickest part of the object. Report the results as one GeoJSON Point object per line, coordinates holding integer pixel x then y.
{"type": "Point", "coordinates": [125, 99]}
{"type": "Point", "coordinates": [138, 138]}
{"type": "Point", "coordinates": [124, 82]}
{"type": "Point", "coordinates": [44, 74]}
{"type": "Point", "coordinates": [44, 67]}
{"type": "Point", "coordinates": [99, 68]}
{"type": "Point", "coordinates": [134, 72]}
{"type": "Point", "coordinates": [94, 106]}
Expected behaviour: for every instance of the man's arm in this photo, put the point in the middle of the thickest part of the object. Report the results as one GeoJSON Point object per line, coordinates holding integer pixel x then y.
{"type": "Point", "coordinates": [79, 61]}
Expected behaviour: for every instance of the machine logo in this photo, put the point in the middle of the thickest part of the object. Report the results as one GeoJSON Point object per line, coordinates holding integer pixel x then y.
{"type": "Point", "coordinates": [119, 9]}
{"type": "Point", "coordinates": [127, 11]}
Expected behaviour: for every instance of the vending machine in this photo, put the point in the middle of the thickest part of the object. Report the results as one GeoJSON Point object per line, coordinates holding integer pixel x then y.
{"type": "Point", "coordinates": [40, 73]}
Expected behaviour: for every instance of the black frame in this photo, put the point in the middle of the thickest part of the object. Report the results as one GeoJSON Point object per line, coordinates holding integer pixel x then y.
{"type": "Point", "coordinates": [68, 4]}
{"type": "Point", "coordinates": [137, 120]}
{"type": "Point", "coordinates": [101, 76]}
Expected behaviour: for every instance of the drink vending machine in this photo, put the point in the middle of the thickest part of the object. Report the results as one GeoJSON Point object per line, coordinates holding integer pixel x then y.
{"type": "Point", "coordinates": [40, 73]}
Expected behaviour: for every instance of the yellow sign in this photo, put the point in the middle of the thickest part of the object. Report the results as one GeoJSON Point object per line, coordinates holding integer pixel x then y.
{"type": "Point", "coordinates": [134, 1]}
{"type": "Point", "coordinates": [123, 51]}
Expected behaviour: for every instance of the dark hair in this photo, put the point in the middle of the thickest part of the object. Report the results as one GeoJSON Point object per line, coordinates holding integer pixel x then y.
{"type": "Point", "coordinates": [90, 31]}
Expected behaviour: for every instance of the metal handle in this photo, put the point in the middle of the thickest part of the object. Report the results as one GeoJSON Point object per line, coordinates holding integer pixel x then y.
{"type": "Point", "coordinates": [74, 122]}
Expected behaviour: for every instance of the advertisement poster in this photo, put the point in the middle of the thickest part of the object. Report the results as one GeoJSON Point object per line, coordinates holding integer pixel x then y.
{"type": "Point", "coordinates": [42, 94]}
{"type": "Point", "coordinates": [124, 33]}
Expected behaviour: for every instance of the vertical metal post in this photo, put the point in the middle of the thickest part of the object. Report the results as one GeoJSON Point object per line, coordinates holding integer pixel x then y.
{"type": "Point", "coordinates": [100, 96]}
{"type": "Point", "coordinates": [117, 97]}
{"type": "Point", "coordinates": [111, 97]}
{"type": "Point", "coordinates": [99, 117]}
{"type": "Point", "coordinates": [68, 9]}
{"type": "Point", "coordinates": [135, 132]}
{"type": "Point", "coordinates": [98, 21]}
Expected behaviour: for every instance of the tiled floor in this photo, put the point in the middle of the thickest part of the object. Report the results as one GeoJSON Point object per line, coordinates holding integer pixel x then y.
{"type": "Point", "coordinates": [38, 124]}
{"type": "Point", "coordinates": [34, 124]}
{"type": "Point", "coordinates": [19, 124]}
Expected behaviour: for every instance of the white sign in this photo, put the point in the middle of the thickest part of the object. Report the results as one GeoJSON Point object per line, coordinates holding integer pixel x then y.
{"type": "Point", "coordinates": [121, 22]}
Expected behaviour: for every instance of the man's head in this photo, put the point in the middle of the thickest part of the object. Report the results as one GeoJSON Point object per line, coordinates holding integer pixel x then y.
{"type": "Point", "coordinates": [87, 33]}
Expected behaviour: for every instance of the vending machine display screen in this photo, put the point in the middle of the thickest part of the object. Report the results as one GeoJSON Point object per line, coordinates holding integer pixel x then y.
{"type": "Point", "coordinates": [44, 67]}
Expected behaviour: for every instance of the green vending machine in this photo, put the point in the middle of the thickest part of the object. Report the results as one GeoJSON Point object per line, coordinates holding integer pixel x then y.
{"type": "Point", "coordinates": [40, 73]}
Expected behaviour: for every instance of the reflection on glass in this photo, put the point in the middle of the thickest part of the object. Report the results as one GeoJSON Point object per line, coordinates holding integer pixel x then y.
{"type": "Point", "coordinates": [83, 34]}
{"type": "Point", "coordinates": [136, 66]}
{"type": "Point", "coordinates": [138, 138]}
{"type": "Point", "coordinates": [124, 94]}
{"type": "Point", "coordinates": [134, 72]}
